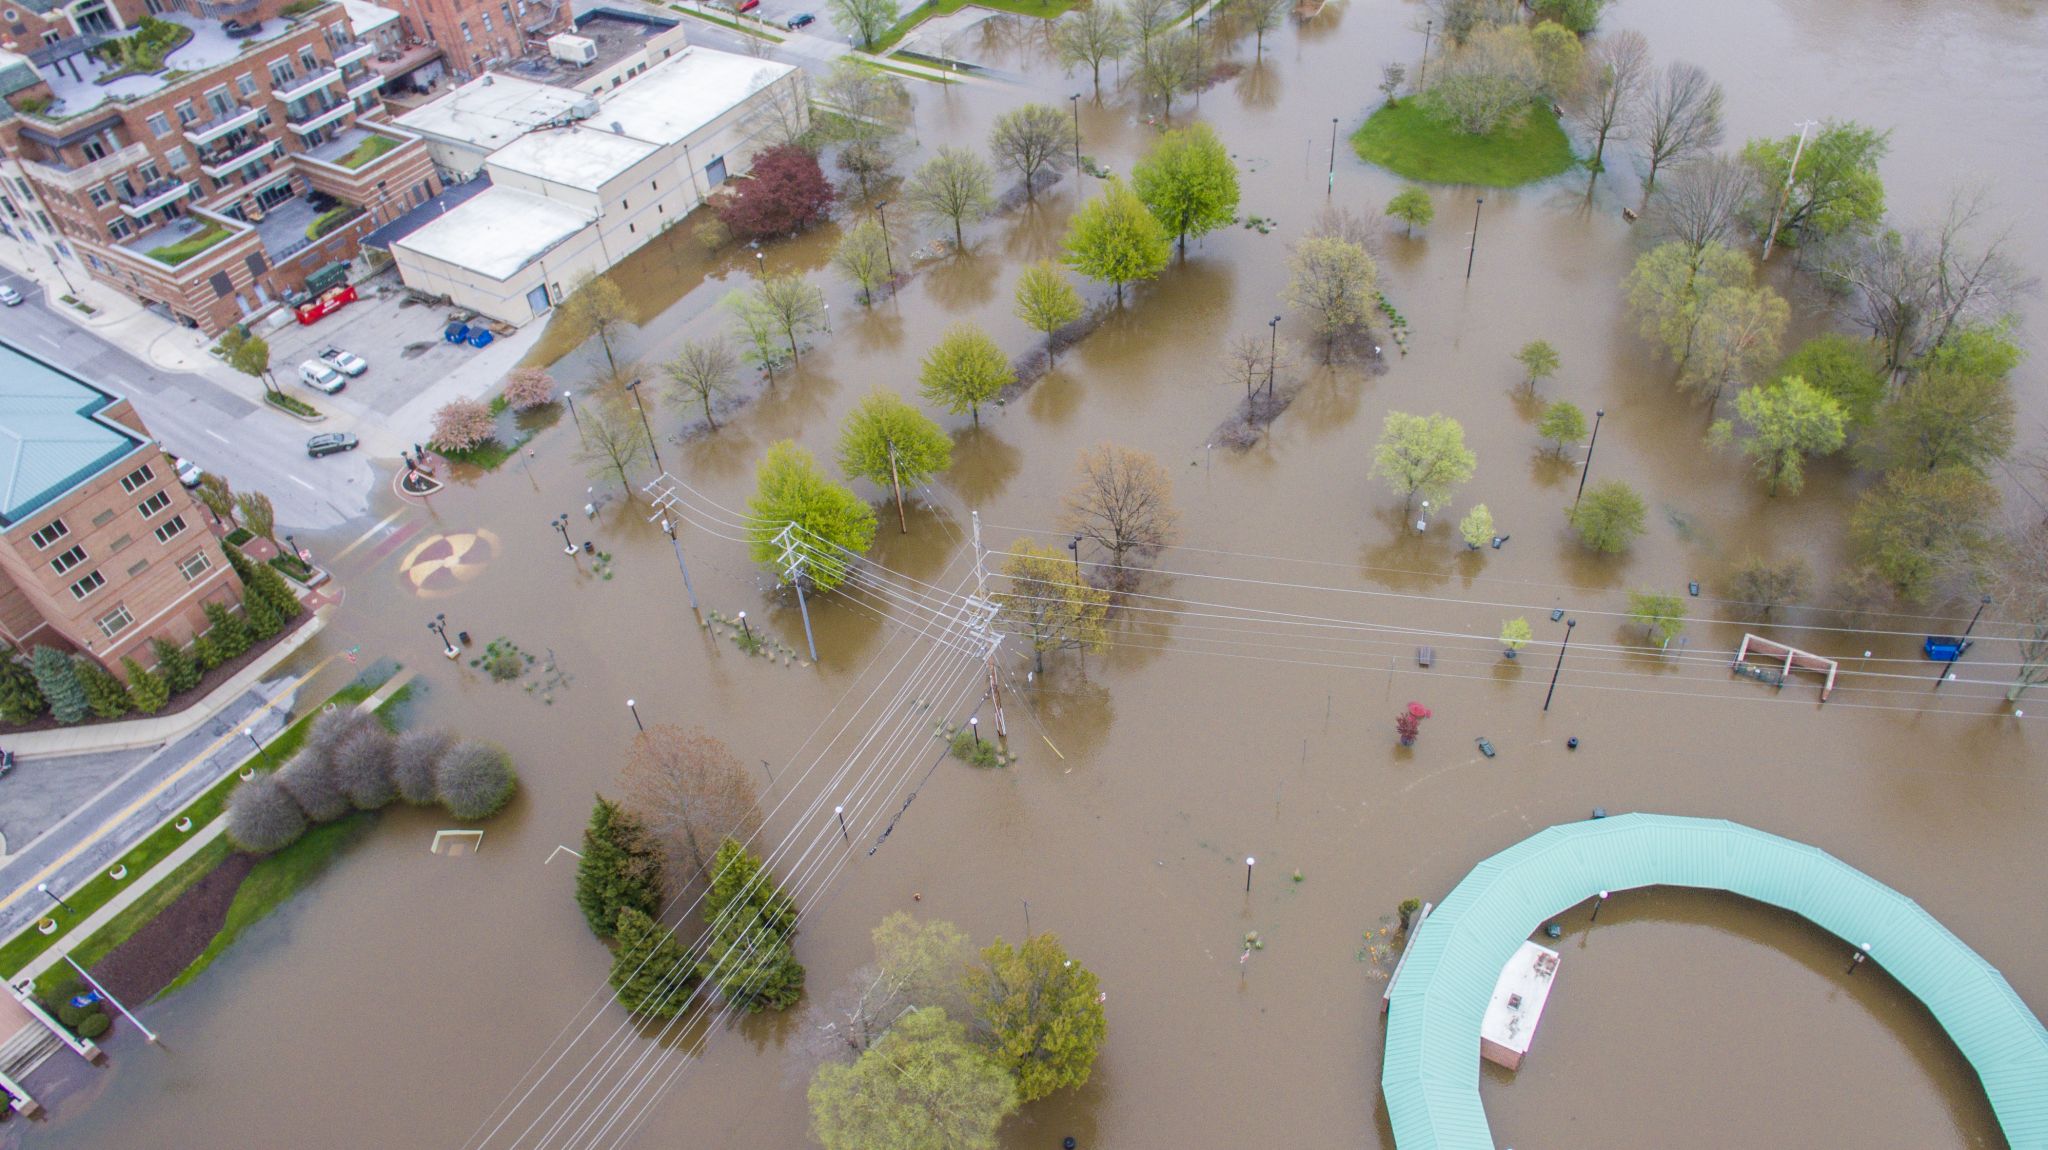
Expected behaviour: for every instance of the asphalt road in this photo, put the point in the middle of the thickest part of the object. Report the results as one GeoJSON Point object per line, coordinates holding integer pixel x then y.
{"type": "Point", "coordinates": [195, 417]}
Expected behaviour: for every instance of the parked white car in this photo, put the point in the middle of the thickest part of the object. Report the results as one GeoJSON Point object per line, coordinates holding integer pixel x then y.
{"type": "Point", "coordinates": [347, 363]}
{"type": "Point", "coordinates": [320, 377]}
{"type": "Point", "coordinates": [189, 473]}
{"type": "Point", "coordinates": [9, 296]}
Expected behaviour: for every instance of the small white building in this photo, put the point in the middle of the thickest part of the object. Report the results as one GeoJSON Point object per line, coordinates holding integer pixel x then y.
{"type": "Point", "coordinates": [575, 196]}
{"type": "Point", "coordinates": [1509, 1025]}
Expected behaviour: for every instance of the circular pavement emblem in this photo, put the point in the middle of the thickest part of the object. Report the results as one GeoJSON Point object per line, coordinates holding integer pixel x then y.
{"type": "Point", "coordinates": [440, 564]}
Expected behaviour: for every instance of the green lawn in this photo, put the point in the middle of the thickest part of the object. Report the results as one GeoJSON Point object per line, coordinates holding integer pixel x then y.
{"type": "Point", "coordinates": [158, 845]}
{"type": "Point", "coordinates": [1407, 141]}
{"type": "Point", "coordinates": [750, 28]}
{"type": "Point", "coordinates": [1044, 9]}
{"type": "Point", "coordinates": [180, 250]}
{"type": "Point", "coordinates": [271, 883]}
{"type": "Point", "coordinates": [368, 150]}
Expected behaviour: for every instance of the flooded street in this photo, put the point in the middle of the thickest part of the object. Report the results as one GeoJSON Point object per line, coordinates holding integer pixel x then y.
{"type": "Point", "coordinates": [1245, 708]}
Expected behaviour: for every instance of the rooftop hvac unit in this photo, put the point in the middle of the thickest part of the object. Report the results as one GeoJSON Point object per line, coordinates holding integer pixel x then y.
{"type": "Point", "coordinates": [578, 50]}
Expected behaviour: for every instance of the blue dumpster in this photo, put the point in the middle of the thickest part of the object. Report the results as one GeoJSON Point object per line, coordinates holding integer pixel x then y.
{"type": "Point", "coordinates": [1942, 648]}
{"type": "Point", "coordinates": [456, 333]}
{"type": "Point", "coordinates": [480, 337]}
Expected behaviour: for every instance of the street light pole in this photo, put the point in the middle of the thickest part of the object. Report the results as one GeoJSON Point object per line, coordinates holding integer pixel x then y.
{"type": "Point", "coordinates": [1272, 354]}
{"type": "Point", "coordinates": [634, 389]}
{"type": "Point", "coordinates": [1477, 203]}
{"type": "Point", "coordinates": [1568, 625]}
{"type": "Point", "coordinates": [1599, 413]}
{"type": "Point", "coordinates": [1248, 861]}
{"type": "Point", "coordinates": [1945, 671]}
{"type": "Point", "coordinates": [1423, 80]}
{"type": "Point", "coordinates": [1333, 158]}
{"type": "Point", "coordinates": [57, 898]}
{"type": "Point", "coordinates": [439, 626]}
{"type": "Point", "coordinates": [1074, 546]}
{"type": "Point", "coordinates": [631, 706]}
{"type": "Point", "coordinates": [250, 734]}
{"type": "Point", "coordinates": [882, 211]}
{"type": "Point", "coordinates": [569, 397]}
{"type": "Point", "coordinates": [561, 524]}
{"type": "Point", "coordinates": [1075, 100]}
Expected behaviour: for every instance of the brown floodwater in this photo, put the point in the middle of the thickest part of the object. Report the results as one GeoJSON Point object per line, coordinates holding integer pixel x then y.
{"type": "Point", "coordinates": [402, 998]}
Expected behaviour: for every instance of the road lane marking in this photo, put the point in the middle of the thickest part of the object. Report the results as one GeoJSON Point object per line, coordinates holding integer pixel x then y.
{"type": "Point", "coordinates": [303, 483]}
{"type": "Point", "coordinates": [217, 435]}
{"type": "Point", "coordinates": [365, 536]}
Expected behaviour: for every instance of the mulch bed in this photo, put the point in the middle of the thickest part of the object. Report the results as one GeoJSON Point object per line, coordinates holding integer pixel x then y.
{"type": "Point", "coordinates": [163, 948]}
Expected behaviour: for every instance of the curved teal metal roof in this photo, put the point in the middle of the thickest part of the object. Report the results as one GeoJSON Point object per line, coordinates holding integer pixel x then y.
{"type": "Point", "coordinates": [1431, 1072]}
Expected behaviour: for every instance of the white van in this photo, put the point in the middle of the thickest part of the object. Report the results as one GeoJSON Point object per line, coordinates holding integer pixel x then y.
{"type": "Point", "coordinates": [320, 377]}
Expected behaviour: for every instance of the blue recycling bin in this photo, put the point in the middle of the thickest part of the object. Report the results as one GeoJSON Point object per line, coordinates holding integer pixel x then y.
{"type": "Point", "coordinates": [456, 333]}
{"type": "Point", "coordinates": [1942, 648]}
{"type": "Point", "coordinates": [480, 337]}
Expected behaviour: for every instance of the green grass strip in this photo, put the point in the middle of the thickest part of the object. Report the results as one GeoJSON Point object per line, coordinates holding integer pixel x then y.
{"type": "Point", "coordinates": [725, 22]}
{"type": "Point", "coordinates": [1043, 9]}
{"type": "Point", "coordinates": [1406, 140]}
{"type": "Point", "coordinates": [271, 883]}
{"type": "Point", "coordinates": [927, 77]}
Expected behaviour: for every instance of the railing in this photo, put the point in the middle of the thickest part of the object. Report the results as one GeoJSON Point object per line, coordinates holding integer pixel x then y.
{"type": "Point", "coordinates": [153, 195]}
{"type": "Point", "coordinates": [220, 163]}
{"type": "Point", "coordinates": [60, 174]}
{"type": "Point", "coordinates": [295, 89]}
{"type": "Point", "coordinates": [348, 53]}
{"type": "Point", "coordinates": [207, 131]}
{"type": "Point", "coordinates": [313, 118]}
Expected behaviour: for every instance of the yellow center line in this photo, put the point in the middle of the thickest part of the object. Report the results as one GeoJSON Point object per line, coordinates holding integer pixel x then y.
{"type": "Point", "coordinates": [380, 525]}
{"type": "Point", "coordinates": [150, 796]}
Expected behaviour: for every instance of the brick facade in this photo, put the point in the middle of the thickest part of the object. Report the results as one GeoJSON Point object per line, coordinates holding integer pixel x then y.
{"type": "Point", "coordinates": [164, 195]}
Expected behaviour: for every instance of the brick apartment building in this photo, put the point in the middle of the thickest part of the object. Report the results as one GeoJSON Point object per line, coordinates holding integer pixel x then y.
{"type": "Point", "coordinates": [187, 186]}
{"type": "Point", "coordinates": [101, 549]}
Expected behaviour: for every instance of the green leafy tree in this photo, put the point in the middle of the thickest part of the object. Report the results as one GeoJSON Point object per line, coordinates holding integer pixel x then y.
{"type": "Point", "coordinates": [792, 304]}
{"type": "Point", "coordinates": [1845, 370]}
{"type": "Point", "coordinates": [1788, 422]}
{"type": "Point", "coordinates": [964, 370]}
{"type": "Point", "coordinates": [1046, 301]}
{"type": "Point", "coordinates": [1413, 207]}
{"type": "Point", "coordinates": [1048, 602]}
{"type": "Point", "coordinates": [1984, 350]}
{"type": "Point", "coordinates": [1423, 456]}
{"type": "Point", "coordinates": [1737, 335]}
{"type": "Point", "coordinates": [1836, 189]}
{"type": "Point", "coordinates": [863, 258]}
{"type": "Point", "coordinates": [868, 19]}
{"type": "Point", "coordinates": [1189, 183]}
{"type": "Point", "coordinates": [955, 186]}
{"type": "Point", "coordinates": [104, 693]}
{"type": "Point", "coordinates": [58, 681]}
{"type": "Point", "coordinates": [175, 664]}
{"type": "Point", "coordinates": [1663, 616]}
{"type": "Point", "coordinates": [1922, 530]}
{"type": "Point", "coordinates": [923, 1086]}
{"type": "Point", "coordinates": [1940, 420]}
{"type": "Point", "coordinates": [1334, 280]}
{"type": "Point", "coordinates": [1578, 15]}
{"type": "Point", "coordinates": [886, 441]}
{"type": "Point", "coordinates": [651, 972]}
{"type": "Point", "coordinates": [20, 699]}
{"type": "Point", "coordinates": [257, 514]}
{"type": "Point", "coordinates": [1670, 286]}
{"type": "Point", "coordinates": [217, 497]}
{"type": "Point", "coordinates": [1115, 238]}
{"type": "Point", "coordinates": [597, 308]}
{"type": "Point", "coordinates": [1762, 586]}
{"type": "Point", "coordinates": [1563, 424]}
{"type": "Point", "coordinates": [251, 357]}
{"type": "Point", "coordinates": [620, 869]}
{"type": "Point", "coordinates": [831, 524]}
{"type": "Point", "coordinates": [1515, 635]}
{"type": "Point", "coordinates": [145, 687]}
{"type": "Point", "coordinates": [1033, 139]}
{"type": "Point", "coordinates": [1539, 361]}
{"type": "Point", "coordinates": [757, 332]}
{"type": "Point", "coordinates": [1560, 60]}
{"type": "Point", "coordinates": [1476, 528]}
{"type": "Point", "coordinates": [1038, 1012]}
{"type": "Point", "coordinates": [1609, 517]}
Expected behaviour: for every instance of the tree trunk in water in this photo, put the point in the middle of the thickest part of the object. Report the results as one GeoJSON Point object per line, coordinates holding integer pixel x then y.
{"type": "Point", "coordinates": [707, 412]}
{"type": "Point", "coordinates": [896, 481]}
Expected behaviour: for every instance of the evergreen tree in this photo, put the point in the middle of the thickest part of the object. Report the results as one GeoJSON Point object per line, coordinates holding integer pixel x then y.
{"type": "Point", "coordinates": [265, 581]}
{"type": "Point", "coordinates": [754, 967]}
{"type": "Point", "coordinates": [175, 665]}
{"type": "Point", "coordinates": [651, 972]}
{"type": "Point", "coordinates": [59, 684]}
{"type": "Point", "coordinates": [621, 869]}
{"type": "Point", "coordinates": [20, 699]}
{"type": "Point", "coordinates": [147, 688]}
{"type": "Point", "coordinates": [738, 877]}
{"type": "Point", "coordinates": [104, 693]}
{"type": "Point", "coordinates": [260, 614]}
{"type": "Point", "coordinates": [229, 634]}
{"type": "Point", "coordinates": [206, 652]}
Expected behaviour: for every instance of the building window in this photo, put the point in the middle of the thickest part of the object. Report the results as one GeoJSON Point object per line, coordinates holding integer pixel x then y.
{"type": "Point", "coordinates": [487, 22]}
{"type": "Point", "coordinates": [120, 229]}
{"type": "Point", "coordinates": [176, 158]}
{"type": "Point", "coordinates": [159, 125]}
{"type": "Point", "coordinates": [466, 37]}
{"type": "Point", "coordinates": [49, 534]}
{"type": "Point", "coordinates": [170, 530]}
{"type": "Point", "coordinates": [194, 566]}
{"type": "Point", "coordinates": [116, 621]}
{"type": "Point", "coordinates": [68, 560]}
{"type": "Point", "coordinates": [87, 585]}
{"type": "Point", "coordinates": [186, 112]}
{"type": "Point", "coordinates": [94, 150]}
{"type": "Point", "coordinates": [309, 61]}
{"type": "Point", "coordinates": [150, 173]}
{"type": "Point", "coordinates": [137, 478]}
{"type": "Point", "coordinates": [507, 10]}
{"type": "Point", "coordinates": [245, 84]}
{"type": "Point", "coordinates": [280, 73]}
{"type": "Point", "coordinates": [154, 504]}
{"type": "Point", "coordinates": [98, 195]}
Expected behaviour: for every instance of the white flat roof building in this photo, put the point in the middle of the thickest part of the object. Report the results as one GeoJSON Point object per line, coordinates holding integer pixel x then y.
{"type": "Point", "coordinates": [669, 104]}
{"type": "Point", "coordinates": [585, 157]}
{"type": "Point", "coordinates": [510, 230]}
{"type": "Point", "coordinates": [1509, 1025]}
{"type": "Point", "coordinates": [366, 17]}
{"type": "Point", "coordinates": [465, 126]}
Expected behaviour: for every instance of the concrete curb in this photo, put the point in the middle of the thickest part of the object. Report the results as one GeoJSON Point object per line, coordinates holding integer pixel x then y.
{"type": "Point", "coordinates": [158, 731]}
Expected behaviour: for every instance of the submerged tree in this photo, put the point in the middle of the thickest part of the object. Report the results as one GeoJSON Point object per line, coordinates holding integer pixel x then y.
{"type": "Point", "coordinates": [1922, 530]}
{"type": "Point", "coordinates": [1046, 301]}
{"type": "Point", "coordinates": [1334, 280]}
{"type": "Point", "coordinates": [955, 186]}
{"type": "Point", "coordinates": [651, 972]}
{"type": "Point", "coordinates": [1049, 603]}
{"type": "Point", "coordinates": [923, 1086]}
{"type": "Point", "coordinates": [800, 515]}
{"type": "Point", "coordinates": [596, 308]}
{"type": "Point", "coordinates": [888, 443]}
{"type": "Point", "coordinates": [689, 793]}
{"type": "Point", "coordinates": [964, 370]}
{"type": "Point", "coordinates": [1189, 183]}
{"type": "Point", "coordinates": [1038, 1012]}
{"type": "Point", "coordinates": [1681, 120]}
{"type": "Point", "coordinates": [1123, 501]}
{"type": "Point", "coordinates": [1609, 517]}
{"type": "Point", "coordinates": [1032, 139]}
{"type": "Point", "coordinates": [703, 370]}
{"type": "Point", "coordinates": [1605, 104]}
{"type": "Point", "coordinates": [1423, 456]}
{"type": "Point", "coordinates": [1091, 34]}
{"type": "Point", "coordinates": [1835, 190]}
{"type": "Point", "coordinates": [1115, 238]}
{"type": "Point", "coordinates": [863, 258]}
{"type": "Point", "coordinates": [1663, 616]}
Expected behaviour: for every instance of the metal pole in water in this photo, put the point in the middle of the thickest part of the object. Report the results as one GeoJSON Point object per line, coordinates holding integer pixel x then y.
{"type": "Point", "coordinates": [103, 993]}
{"type": "Point", "coordinates": [1568, 625]}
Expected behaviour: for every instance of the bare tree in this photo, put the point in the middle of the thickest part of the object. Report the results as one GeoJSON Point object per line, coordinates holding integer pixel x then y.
{"type": "Point", "coordinates": [690, 792]}
{"type": "Point", "coordinates": [1700, 204]}
{"type": "Point", "coordinates": [1245, 362]}
{"type": "Point", "coordinates": [2022, 592]}
{"type": "Point", "coordinates": [703, 370]}
{"type": "Point", "coordinates": [1682, 119]}
{"type": "Point", "coordinates": [1147, 19]}
{"type": "Point", "coordinates": [1361, 226]}
{"type": "Point", "coordinates": [1605, 104]}
{"type": "Point", "coordinates": [1090, 35]}
{"type": "Point", "coordinates": [1170, 63]}
{"type": "Point", "coordinates": [612, 442]}
{"type": "Point", "coordinates": [868, 109]}
{"type": "Point", "coordinates": [783, 114]}
{"type": "Point", "coordinates": [955, 186]}
{"type": "Point", "coordinates": [596, 307]}
{"type": "Point", "coordinates": [1124, 502]}
{"type": "Point", "coordinates": [791, 304]}
{"type": "Point", "coordinates": [1263, 16]}
{"type": "Point", "coordinates": [1031, 139]}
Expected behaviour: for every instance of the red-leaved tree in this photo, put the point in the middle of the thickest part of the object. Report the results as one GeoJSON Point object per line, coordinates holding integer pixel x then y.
{"type": "Point", "coordinates": [785, 192]}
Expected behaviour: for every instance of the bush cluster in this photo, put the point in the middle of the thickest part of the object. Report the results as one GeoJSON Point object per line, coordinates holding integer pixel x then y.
{"type": "Point", "coordinates": [350, 763]}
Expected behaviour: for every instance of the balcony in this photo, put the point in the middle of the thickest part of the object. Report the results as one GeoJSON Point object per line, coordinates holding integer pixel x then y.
{"type": "Point", "coordinates": [57, 173]}
{"type": "Point", "coordinates": [299, 89]}
{"type": "Point", "coordinates": [205, 132]}
{"type": "Point", "coordinates": [233, 157]}
{"type": "Point", "coordinates": [350, 53]}
{"type": "Point", "coordinates": [363, 85]}
{"type": "Point", "coordinates": [313, 119]}
{"type": "Point", "coordinates": [355, 149]}
{"type": "Point", "coordinates": [162, 193]}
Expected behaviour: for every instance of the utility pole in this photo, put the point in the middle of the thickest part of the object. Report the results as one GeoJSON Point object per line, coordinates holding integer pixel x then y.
{"type": "Point", "coordinates": [634, 389]}
{"type": "Point", "coordinates": [1785, 197]}
{"type": "Point", "coordinates": [1568, 625]}
{"type": "Point", "coordinates": [1333, 158]}
{"type": "Point", "coordinates": [103, 993]}
{"type": "Point", "coordinates": [896, 481]}
{"type": "Point", "coordinates": [989, 635]}
{"type": "Point", "coordinates": [1272, 355]}
{"type": "Point", "coordinates": [1473, 253]}
{"type": "Point", "coordinates": [1951, 666]}
{"type": "Point", "coordinates": [1599, 413]}
{"type": "Point", "coordinates": [793, 569]}
{"type": "Point", "coordinates": [1422, 81]}
{"type": "Point", "coordinates": [664, 503]}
